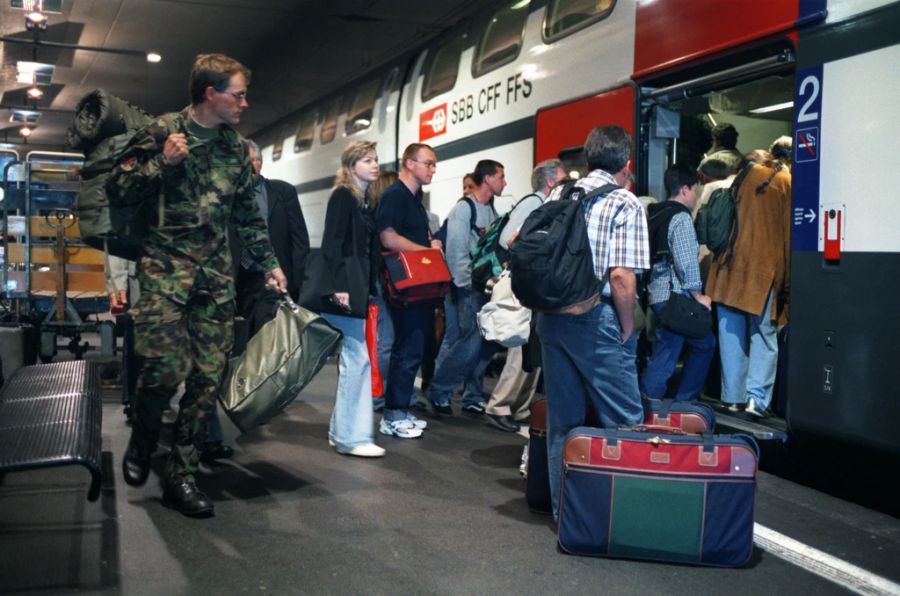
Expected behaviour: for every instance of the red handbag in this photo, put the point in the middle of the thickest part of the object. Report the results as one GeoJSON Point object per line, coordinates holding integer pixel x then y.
{"type": "Point", "coordinates": [415, 276]}
{"type": "Point", "coordinates": [372, 348]}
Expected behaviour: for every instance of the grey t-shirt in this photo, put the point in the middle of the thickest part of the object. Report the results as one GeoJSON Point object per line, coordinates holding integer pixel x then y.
{"type": "Point", "coordinates": [461, 238]}
{"type": "Point", "coordinates": [519, 214]}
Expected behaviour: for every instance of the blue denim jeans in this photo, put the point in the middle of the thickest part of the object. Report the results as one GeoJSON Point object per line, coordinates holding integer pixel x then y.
{"type": "Point", "coordinates": [748, 348]}
{"type": "Point", "coordinates": [410, 326]}
{"type": "Point", "coordinates": [351, 419]}
{"type": "Point", "coordinates": [464, 355]}
{"type": "Point", "coordinates": [586, 366]}
{"type": "Point", "coordinates": [385, 344]}
{"type": "Point", "coordinates": [666, 350]}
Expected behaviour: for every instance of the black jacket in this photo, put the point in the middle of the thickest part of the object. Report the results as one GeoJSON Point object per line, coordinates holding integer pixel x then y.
{"type": "Point", "coordinates": [346, 241]}
{"type": "Point", "coordinates": [287, 232]}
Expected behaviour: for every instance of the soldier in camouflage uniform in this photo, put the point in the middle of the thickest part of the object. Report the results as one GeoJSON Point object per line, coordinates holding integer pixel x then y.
{"type": "Point", "coordinates": [193, 168]}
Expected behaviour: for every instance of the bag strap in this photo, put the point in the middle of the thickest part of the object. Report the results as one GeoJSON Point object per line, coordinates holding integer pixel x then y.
{"type": "Point", "coordinates": [473, 216]}
{"type": "Point", "coordinates": [728, 251]}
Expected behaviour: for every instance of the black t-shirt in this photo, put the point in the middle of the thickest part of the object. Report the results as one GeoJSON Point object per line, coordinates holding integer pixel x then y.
{"type": "Point", "coordinates": [402, 211]}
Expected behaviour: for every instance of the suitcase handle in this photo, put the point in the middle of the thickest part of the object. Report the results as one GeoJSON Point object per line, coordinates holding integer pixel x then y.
{"type": "Point", "coordinates": [654, 428]}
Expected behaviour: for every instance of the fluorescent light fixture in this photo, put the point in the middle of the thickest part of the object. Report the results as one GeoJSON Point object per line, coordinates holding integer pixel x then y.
{"type": "Point", "coordinates": [154, 57]}
{"type": "Point", "coordinates": [49, 6]}
{"type": "Point", "coordinates": [773, 108]}
{"type": "Point", "coordinates": [33, 73]}
{"type": "Point", "coordinates": [24, 117]}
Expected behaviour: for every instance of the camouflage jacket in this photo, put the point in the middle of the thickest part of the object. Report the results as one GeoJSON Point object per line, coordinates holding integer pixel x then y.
{"type": "Point", "coordinates": [196, 201]}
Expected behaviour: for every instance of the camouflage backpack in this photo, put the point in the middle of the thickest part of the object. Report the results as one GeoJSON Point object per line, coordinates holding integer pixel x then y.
{"type": "Point", "coordinates": [103, 128]}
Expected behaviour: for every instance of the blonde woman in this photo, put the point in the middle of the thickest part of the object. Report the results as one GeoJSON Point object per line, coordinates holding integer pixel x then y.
{"type": "Point", "coordinates": [347, 251]}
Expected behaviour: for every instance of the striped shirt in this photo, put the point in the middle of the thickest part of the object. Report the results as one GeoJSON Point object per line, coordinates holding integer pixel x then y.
{"type": "Point", "coordinates": [616, 227]}
{"type": "Point", "coordinates": [683, 268]}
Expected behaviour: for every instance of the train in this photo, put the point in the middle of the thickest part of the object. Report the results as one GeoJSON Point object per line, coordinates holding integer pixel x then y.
{"type": "Point", "coordinates": [523, 81]}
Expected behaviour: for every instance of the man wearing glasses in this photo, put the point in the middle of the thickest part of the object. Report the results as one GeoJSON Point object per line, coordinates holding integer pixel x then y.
{"type": "Point", "coordinates": [402, 224]}
{"type": "Point", "coordinates": [192, 170]}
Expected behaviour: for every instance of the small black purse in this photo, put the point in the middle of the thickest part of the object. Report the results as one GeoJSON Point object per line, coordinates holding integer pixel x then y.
{"type": "Point", "coordinates": [685, 316]}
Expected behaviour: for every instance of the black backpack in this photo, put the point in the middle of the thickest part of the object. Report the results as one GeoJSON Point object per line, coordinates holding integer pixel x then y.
{"type": "Point", "coordinates": [659, 217]}
{"type": "Point", "coordinates": [441, 234]}
{"type": "Point", "coordinates": [551, 261]}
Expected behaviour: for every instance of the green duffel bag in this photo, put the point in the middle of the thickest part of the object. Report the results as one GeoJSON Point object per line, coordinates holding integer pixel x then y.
{"type": "Point", "coordinates": [283, 356]}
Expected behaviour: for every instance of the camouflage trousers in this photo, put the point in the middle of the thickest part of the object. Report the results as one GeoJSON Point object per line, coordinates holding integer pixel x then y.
{"type": "Point", "coordinates": [180, 342]}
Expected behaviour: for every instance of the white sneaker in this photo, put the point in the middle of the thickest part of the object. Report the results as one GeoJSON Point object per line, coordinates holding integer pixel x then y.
{"type": "Point", "coordinates": [367, 450]}
{"type": "Point", "coordinates": [416, 422]}
{"type": "Point", "coordinates": [399, 428]}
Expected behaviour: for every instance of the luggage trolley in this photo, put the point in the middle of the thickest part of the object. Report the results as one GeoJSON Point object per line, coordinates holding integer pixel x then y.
{"type": "Point", "coordinates": [49, 275]}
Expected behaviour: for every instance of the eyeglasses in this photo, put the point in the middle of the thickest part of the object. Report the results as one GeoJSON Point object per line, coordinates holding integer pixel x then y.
{"type": "Point", "coordinates": [428, 164]}
{"type": "Point", "coordinates": [239, 96]}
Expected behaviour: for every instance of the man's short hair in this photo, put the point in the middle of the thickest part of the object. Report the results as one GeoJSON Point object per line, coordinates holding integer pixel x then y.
{"type": "Point", "coordinates": [412, 151]}
{"type": "Point", "coordinates": [726, 134]}
{"type": "Point", "coordinates": [679, 175]}
{"type": "Point", "coordinates": [252, 147]}
{"type": "Point", "coordinates": [608, 148]}
{"type": "Point", "coordinates": [781, 148]}
{"type": "Point", "coordinates": [485, 167]}
{"type": "Point", "coordinates": [715, 169]}
{"type": "Point", "coordinates": [543, 172]}
{"type": "Point", "coordinates": [213, 70]}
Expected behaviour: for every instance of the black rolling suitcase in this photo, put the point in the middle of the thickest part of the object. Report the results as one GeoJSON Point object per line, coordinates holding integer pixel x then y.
{"type": "Point", "coordinates": [537, 483]}
{"type": "Point", "coordinates": [656, 493]}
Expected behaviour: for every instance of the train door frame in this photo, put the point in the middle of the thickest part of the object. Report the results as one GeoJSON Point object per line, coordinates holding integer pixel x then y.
{"type": "Point", "coordinates": [657, 126]}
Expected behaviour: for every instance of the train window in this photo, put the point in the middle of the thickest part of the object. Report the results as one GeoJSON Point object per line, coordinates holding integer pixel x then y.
{"type": "Point", "coordinates": [441, 75]}
{"type": "Point", "coordinates": [502, 38]}
{"type": "Point", "coordinates": [329, 121]}
{"type": "Point", "coordinates": [567, 16]}
{"type": "Point", "coordinates": [277, 147]}
{"type": "Point", "coordinates": [359, 117]}
{"type": "Point", "coordinates": [305, 132]}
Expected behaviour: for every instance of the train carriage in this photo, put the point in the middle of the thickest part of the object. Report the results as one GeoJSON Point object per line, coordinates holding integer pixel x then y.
{"type": "Point", "coordinates": [525, 81]}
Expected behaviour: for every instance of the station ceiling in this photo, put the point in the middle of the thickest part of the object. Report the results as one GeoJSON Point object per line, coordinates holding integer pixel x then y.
{"type": "Point", "coordinates": [298, 50]}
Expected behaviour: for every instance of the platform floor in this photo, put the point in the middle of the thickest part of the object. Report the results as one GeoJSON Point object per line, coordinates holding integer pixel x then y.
{"type": "Point", "coordinates": [444, 514]}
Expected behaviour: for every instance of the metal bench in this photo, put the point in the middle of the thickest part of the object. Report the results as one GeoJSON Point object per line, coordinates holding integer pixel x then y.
{"type": "Point", "coordinates": [50, 415]}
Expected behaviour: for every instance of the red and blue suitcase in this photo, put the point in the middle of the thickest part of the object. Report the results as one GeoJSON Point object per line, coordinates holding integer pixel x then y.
{"type": "Point", "coordinates": [658, 494]}
{"type": "Point", "coordinates": [537, 482]}
{"type": "Point", "coordinates": [689, 416]}
{"type": "Point", "coordinates": [415, 276]}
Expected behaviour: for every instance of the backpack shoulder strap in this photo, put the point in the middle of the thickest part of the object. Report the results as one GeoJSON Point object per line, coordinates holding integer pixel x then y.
{"type": "Point", "coordinates": [600, 192]}
{"type": "Point", "coordinates": [472, 213]}
{"type": "Point", "coordinates": [523, 199]}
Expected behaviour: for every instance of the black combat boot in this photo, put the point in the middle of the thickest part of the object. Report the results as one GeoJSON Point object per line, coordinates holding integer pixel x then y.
{"type": "Point", "coordinates": [215, 450]}
{"type": "Point", "coordinates": [136, 461]}
{"type": "Point", "coordinates": [184, 496]}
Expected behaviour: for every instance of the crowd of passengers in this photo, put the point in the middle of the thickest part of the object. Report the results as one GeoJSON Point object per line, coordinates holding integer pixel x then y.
{"type": "Point", "coordinates": [587, 359]}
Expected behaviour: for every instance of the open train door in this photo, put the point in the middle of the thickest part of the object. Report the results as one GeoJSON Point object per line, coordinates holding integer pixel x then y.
{"type": "Point", "coordinates": [560, 130]}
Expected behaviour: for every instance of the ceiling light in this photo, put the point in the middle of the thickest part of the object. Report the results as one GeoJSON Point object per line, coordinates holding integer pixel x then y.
{"type": "Point", "coordinates": [33, 73]}
{"type": "Point", "coordinates": [773, 108]}
{"type": "Point", "coordinates": [154, 57]}
{"type": "Point", "coordinates": [34, 93]}
{"type": "Point", "coordinates": [25, 131]}
{"type": "Point", "coordinates": [24, 117]}
{"type": "Point", "coordinates": [35, 20]}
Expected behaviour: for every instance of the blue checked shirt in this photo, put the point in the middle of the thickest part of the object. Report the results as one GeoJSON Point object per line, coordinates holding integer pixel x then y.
{"type": "Point", "coordinates": [683, 268]}
{"type": "Point", "coordinates": [616, 227]}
